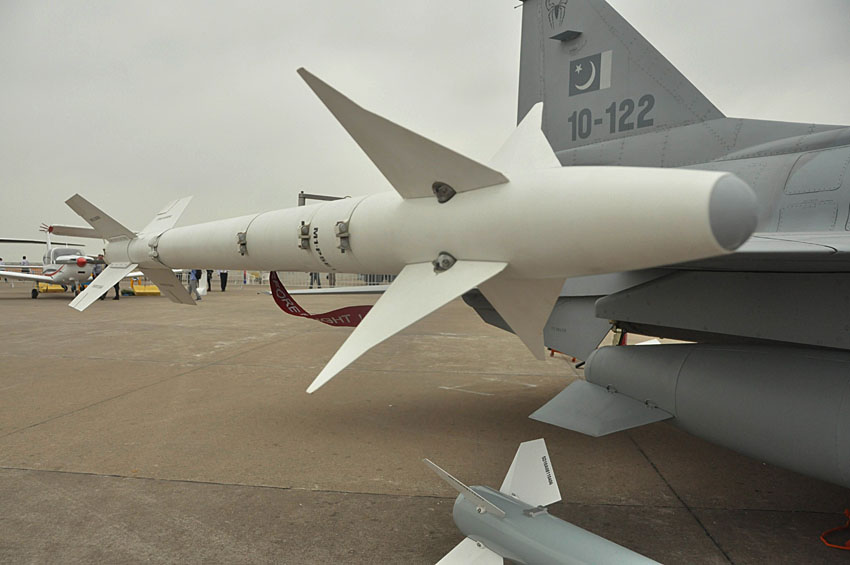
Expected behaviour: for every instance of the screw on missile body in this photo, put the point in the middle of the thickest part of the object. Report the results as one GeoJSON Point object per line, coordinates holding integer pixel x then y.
{"type": "Point", "coordinates": [443, 192]}
{"type": "Point", "coordinates": [443, 262]}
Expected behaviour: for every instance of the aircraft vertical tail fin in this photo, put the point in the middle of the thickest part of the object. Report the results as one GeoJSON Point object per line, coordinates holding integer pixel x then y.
{"type": "Point", "coordinates": [598, 78]}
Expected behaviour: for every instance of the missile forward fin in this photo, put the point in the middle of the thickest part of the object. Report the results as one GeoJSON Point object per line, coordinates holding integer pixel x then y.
{"type": "Point", "coordinates": [104, 281]}
{"type": "Point", "coordinates": [417, 292]}
{"type": "Point", "coordinates": [525, 304]}
{"type": "Point", "coordinates": [411, 162]}
{"type": "Point", "coordinates": [527, 148]}
{"type": "Point", "coordinates": [531, 478]}
{"type": "Point", "coordinates": [470, 552]}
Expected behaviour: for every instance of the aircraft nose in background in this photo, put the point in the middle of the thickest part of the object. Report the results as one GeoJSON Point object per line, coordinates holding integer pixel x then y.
{"type": "Point", "coordinates": [732, 212]}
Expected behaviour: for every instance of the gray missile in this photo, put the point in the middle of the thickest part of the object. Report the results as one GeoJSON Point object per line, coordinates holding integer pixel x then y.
{"type": "Point", "coordinates": [794, 403]}
{"type": "Point", "coordinates": [513, 523]}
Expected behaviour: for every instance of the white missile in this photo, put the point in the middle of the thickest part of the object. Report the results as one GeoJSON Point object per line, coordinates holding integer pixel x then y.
{"type": "Point", "coordinates": [516, 228]}
{"type": "Point", "coordinates": [513, 523]}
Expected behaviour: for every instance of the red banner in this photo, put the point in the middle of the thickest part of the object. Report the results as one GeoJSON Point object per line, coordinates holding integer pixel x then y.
{"type": "Point", "coordinates": [349, 316]}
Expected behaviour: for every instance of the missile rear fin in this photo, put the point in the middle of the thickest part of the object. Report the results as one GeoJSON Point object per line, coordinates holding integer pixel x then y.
{"type": "Point", "coordinates": [105, 226]}
{"type": "Point", "coordinates": [111, 230]}
{"type": "Point", "coordinates": [104, 281]}
{"type": "Point", "coordinates": [409, 161]}
{"type": "Point", "coordinates": [167, 217]}
{"type": "Point", "coordinates": [527, 147]}
{"type": "Point", "coordinates": [531, 478]}
{"type": "Point", "coordinates": [484, 504]}
{"type": "Point", "coordinates": [525, 304]}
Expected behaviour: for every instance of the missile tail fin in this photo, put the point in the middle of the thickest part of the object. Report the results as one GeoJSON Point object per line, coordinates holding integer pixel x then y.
{"type": "Point", "coordinates": [417, 292]}
{"type": "Point", "coordinates": [527, 147]}
{"type": "Point", "coordinates": [479, 500]}
{"type": "Point", "coordinates": [525, 304]}
{"type": "Point", "coordinates": [105, 226]}
{"type": "Point", "coordinates": [168, 284]}
{"type": "Point", "coordinates": [531, 478]}
{"type": "Point", "coordinates": [412, 163]}
{"type": "Point", "coordinates": [470, 552]}
{"type": "Point", "coordinates": [99, 286]}
{"type": "Point", "coordinates": [167, 217]}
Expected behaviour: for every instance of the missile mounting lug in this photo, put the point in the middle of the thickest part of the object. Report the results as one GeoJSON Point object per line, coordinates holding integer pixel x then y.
{"type": "Point", "coordinates": [443, 262]}
{"type": "Point", "coordinates": [341, 231]}
{"type": "Point", "coordinates": [304, 236]}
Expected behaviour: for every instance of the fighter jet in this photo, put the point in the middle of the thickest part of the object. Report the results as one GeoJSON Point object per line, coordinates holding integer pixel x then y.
{"type": "Point", "coordinates": [767, 374]}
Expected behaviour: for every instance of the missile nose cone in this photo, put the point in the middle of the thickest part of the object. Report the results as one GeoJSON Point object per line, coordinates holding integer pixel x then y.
{"type": "Point", "coordinates": [732, 212]}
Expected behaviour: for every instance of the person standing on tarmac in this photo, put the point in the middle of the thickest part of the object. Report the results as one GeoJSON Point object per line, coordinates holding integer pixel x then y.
{"type": "Point", "coordinates": [194, 279]}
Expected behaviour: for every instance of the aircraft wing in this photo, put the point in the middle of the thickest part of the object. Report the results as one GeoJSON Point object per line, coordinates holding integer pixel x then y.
{"type": "Point", "coordinates": [807, 252]}
{"type": "Point", "coordinates": [27, 277]}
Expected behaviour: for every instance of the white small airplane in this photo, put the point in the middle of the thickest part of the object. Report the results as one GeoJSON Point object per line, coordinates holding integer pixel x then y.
{"type": "Point", "coordinates": [62, 264]}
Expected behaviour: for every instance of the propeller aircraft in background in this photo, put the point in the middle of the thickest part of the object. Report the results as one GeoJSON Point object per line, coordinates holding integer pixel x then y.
{"type": "Point", "coordinates": [63, 264]}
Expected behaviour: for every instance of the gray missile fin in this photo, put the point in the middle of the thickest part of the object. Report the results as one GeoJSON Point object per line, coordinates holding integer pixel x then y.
{"type": "Point", "coordinates": [527, 147]}
{"type": "Point", "coordinates": [525, 304]}
{"type": "Point", "coordinates": [471, 552]}
{"type": "Point", "coordinates": [595, 411]}
{"type": "Point", "coordinates": [106, 227]}
{"type": "Point", "coordinates": [417, 292]}
{"type": "Point", "coordinates": [411, 162]}
{"type": "Point", "coordinates": [531, 477]}
{"type": "Point", "coordinates": [99, 286]}
{"type": "Point", "coordinates": [473, 496]}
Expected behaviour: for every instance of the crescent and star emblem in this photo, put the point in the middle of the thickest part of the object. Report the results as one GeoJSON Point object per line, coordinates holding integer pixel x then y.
{"type": "Point", "coordinates": [587, 84]}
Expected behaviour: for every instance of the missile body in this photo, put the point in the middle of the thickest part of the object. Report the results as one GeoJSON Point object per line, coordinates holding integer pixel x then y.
{"type": "Point", "coordinates": [528, 534]}
{"type": "Point", "coordinates": [513, 523]}
{"type": "Point", "coordinates": [552, 223]}
{"type": "Point", "coordinates": [516, 235]}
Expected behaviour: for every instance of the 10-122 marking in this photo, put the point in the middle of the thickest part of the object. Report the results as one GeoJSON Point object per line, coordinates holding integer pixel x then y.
{"type": "Point", "coordinates": [620, 117]}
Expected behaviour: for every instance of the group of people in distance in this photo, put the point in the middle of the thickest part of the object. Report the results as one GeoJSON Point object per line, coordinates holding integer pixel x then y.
{"type": "Point", "coordinates": [195, 278]}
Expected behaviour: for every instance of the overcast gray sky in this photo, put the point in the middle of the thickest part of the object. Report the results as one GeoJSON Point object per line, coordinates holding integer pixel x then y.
{"type": "Point", "coordinates": [133, 104]}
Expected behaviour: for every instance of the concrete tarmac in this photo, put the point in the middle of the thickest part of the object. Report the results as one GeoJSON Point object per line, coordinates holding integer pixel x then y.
{"type": "Point", "coordinates": [141, 431]}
